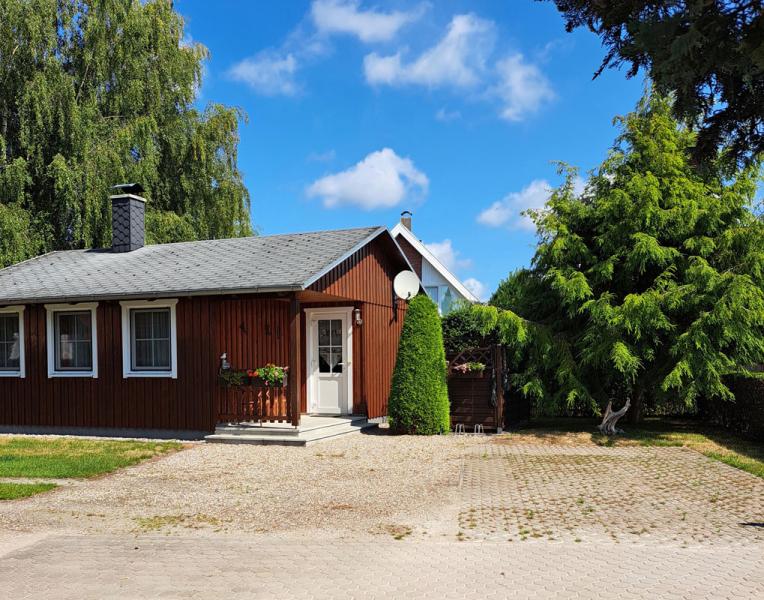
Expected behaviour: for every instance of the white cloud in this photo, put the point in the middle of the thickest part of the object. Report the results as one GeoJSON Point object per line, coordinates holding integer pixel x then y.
{"type": "Point", "coordinates": [508, 211]}
{"type": "Point", "coordinates": [448, 255]}
{"type": "Point", "coordinates": [478, 288]}
{"type": "Point", "coordinates": [346, 16]}
{"type": "Point", "coordinates": [522, 87]}
{"type": "Point", "coordinates": [268, 73]}
{"type": "Point", "coordinates": [458, 59]}
{"type": "Point", "coordinates": [447, 116]}
{"type": "Point", "coordinates": [381, 180]}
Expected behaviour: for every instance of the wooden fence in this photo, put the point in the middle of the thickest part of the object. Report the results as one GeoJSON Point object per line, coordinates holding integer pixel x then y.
{"type": "Point", "coordinates": [254, 402]}
{"type": "Point", "coordinates": [477, 397]}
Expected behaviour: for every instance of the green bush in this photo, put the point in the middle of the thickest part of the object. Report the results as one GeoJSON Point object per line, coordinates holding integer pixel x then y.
{"type": "Point", "coordinates": [462, 331]}
{"type": "Point", "coordinates": [419, 395]}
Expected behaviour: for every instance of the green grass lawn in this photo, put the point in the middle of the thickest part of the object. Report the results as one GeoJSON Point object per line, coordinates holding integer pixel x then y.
{"type": "Point", "coordinates": [13, 491]}
{"type": "Point", "coordinates": [60, 458]}
{"type": "Point", "coordinates": [717, 444]}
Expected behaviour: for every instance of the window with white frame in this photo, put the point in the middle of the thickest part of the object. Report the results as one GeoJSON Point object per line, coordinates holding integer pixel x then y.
{"type": "Point", "coordinates": [12, 358]}
{"type": "Point", "coordinates": [72, 340]}
{"type": "Point", "coordinates": [149, 339]}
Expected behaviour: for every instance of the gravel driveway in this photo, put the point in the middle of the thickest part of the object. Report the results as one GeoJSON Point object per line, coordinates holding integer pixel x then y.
{"type": "Point", "coordinates": [372, 516]}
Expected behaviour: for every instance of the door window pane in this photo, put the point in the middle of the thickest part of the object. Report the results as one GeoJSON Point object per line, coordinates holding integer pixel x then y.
{"type": "Point", "coordinates": [337, 332]}
{"type": "Point", "coordinates": [73, 341]}
{"type": "Point", "coordinates": [150, 344]}
{"type": "Point", "coordinates": [324, 359]}
{"type": "Point", "coordinates": [9, 342]}
{"type": "Point", "coordinates": [336, 360]}
{"type": "Point", "coordinates": [330, 338]}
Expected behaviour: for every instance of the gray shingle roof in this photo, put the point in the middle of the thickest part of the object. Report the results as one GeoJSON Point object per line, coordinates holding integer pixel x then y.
{"type": "Point", "coordinates": [263, 263]}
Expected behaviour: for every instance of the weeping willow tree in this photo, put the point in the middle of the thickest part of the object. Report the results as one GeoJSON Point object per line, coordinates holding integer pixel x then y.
{"type": "Point", "coordinates": [99, 92]}
{"type": "Point", "coordinates": [644, 290]}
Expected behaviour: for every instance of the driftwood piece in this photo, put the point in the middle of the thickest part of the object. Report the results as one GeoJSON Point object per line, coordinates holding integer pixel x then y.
{"type": "Point", "coordinates": [610, 418]}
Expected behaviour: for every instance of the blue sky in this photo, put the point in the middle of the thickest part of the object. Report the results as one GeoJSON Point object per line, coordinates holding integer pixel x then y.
{"type": "Point", "coordinates": [452, 109]}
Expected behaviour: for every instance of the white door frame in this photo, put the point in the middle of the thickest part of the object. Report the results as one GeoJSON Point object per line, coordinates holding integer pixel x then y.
{"type": "Point", "coordinates": [312, 314]}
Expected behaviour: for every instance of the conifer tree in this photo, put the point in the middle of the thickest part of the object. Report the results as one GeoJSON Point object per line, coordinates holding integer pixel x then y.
{"type": "Point", "coordinates": [419, 396]}
{"type": "Point", "coordinates": [646, 288]}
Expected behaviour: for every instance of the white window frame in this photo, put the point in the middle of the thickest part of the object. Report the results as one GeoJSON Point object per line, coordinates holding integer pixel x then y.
{"type": "Point", "coordinates": [19, 311]}
{"type": "Point", "coordinates": [127, 362]}
{"type": "Point", "coordinates": [51, 310]}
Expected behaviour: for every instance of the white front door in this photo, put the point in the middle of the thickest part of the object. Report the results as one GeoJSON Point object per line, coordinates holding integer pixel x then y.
{"type": "Point", "coordinates": [329, 362]}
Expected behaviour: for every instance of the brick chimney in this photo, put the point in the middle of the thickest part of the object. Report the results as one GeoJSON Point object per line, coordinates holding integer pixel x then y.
{"type": "Point", "coordinates": [406, 219]}
{"type": "Point", "coordinates": [128, 214]}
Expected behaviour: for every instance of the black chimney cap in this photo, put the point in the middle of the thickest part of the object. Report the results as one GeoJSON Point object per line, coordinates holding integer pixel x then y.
{"type": "Point", "coordinates": [129, 188]}
{"type": "Point", "coordinates": [406, 212]}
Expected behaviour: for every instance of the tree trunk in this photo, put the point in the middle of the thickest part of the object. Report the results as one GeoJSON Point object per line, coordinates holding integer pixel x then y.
{"type": "Point", "coordinates": [610, 418]}
{"type": "Point", "coordinates": [635, 417]}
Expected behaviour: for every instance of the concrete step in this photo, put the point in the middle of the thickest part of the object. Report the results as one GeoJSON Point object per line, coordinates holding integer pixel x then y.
{"type": "Point", "coordinates": [301, 438]}
{"type": "Point", "coordinates": [308, 423]}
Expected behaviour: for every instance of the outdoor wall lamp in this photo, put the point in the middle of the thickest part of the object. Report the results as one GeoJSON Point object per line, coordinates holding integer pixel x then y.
{"type": "Point", "coordinates": [358, 319]}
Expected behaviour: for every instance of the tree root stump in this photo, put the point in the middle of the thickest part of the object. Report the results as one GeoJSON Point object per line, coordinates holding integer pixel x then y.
{"type": "Point", "coordinates": [610, 418]}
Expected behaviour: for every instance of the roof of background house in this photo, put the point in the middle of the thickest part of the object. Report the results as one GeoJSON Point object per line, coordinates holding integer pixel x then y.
{"type": "Point", "coordinates": [252, 264]}
{"type": "Point", "coordinates": [405, 232]}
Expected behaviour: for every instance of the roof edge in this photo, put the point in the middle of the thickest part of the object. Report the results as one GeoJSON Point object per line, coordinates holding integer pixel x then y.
{"type": "Point", "coordinates": [433, 260]}
{"type": "Point", "coordinates": [154, 295]}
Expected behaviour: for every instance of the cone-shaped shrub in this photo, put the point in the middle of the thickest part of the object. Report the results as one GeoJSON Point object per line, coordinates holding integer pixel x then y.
{"type": "Point", "coordinates": [419, 396]}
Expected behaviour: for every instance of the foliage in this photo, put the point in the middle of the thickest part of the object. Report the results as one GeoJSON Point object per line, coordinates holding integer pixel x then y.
{"type": "Point", "coordinates": [232, 378]}
{"type": "Point", "coordinates": [68, 457]}
{"type": "Point", "coordinates": [648, 285]}
{"type": "Point", "coordinates": [271, 374]}
{"type": "Point", "coordinates": [462, 330]}
{"type": "Point", "coordinates": [419, 396]}
{"type": "Point", "coordinates": [708, 54]}
{"type": "Point", "coordinates": [98, 93]}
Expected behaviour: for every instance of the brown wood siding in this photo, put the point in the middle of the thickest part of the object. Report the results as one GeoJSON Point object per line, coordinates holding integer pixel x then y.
{"type": "Point", "coordinates": [412, 254]}
{"type": "Point", "coordinates": [366, 279]}
{"type": "Point", "coordinates": [252, 330]}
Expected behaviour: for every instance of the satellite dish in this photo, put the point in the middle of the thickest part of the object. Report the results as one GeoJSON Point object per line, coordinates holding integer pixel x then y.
{"type": "Point", "coordinates": [406, 285]}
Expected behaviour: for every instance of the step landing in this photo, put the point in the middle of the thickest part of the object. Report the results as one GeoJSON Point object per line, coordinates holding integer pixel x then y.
{"type": "Point", "coordinates": [312, 429]}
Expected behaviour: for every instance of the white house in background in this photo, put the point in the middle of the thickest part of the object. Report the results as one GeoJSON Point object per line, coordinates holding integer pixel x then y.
{"type": "Point", "coordinates": [439, 283]}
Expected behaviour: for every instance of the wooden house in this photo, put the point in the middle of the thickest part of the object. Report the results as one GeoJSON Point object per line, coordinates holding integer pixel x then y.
{"type": "Point", "coordinates": [128, 340]}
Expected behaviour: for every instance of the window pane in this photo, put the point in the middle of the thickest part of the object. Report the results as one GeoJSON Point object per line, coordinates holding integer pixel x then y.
{"type": "Point", "coordinates": [323, 332]}
{"type": "Point", "coordinates": [162, 355]}
{"type": "Point", "coordinates": [336, 332]}
{"type": "Point", "coordinates": [82, 326]}
{"type": "Point", "coordinates": [448, 301]}
{"type": "Point", "coordinates": [65, 354]}
{"type": "Point", "coordinates": [323, 360]}
{"type": "Point", "coordinates": [161, 324]}
{"type": "Point", "coordinates": [83, 355]}
{"type": "Point", "coordinates": [9, 342]}
{"type": "Point", "coordinates": [142, 357]}
{"type": "Point", "coordinates": [142, 325]}
{"type": "Point", "coordinates": [432, 292]}
{"type": "Point", "coordinates": [336, 359]}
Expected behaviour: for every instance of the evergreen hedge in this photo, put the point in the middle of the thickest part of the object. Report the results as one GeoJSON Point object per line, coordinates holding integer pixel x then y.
{"type": "Point", "coordinates": [419, 396]}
